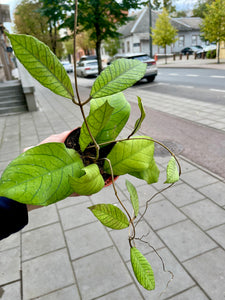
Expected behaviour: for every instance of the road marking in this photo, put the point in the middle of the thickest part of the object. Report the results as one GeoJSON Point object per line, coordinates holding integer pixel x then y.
{"type": "Point", "coordinates": [173, 74]}
{"type": "Point", "coordinates": [217, 76]}
{"type": "Point", "coordinates": [215, 90]}
{"type": "Point", "coordinates": [192, 75]}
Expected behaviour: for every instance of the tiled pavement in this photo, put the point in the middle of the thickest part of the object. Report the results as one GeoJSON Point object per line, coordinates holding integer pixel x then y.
{"type": "Point", "coordinates": [65, 254]}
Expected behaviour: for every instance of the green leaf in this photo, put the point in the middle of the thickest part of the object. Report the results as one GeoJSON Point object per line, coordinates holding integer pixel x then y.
{"type": "Point", "coordinates": [150, 175]}
{"type": "Point", "coordinates": [39, 176]}
{"type": "Point", "coordinates": [120, 75]}
{"type": "Point", "coordinates": [172, 171]}
{"type": "Point", "coordinates": [133, 197]}
{"type": "Point", "coordinates": [142, 269]}
{"type": "Point", "coordinates": [42, 64]}
{"type": "Point", "coordinates": [110, 216]}
{"type": "Point", "coordinates": [141, 119]}
{"type": "Point", "coordinates": [117, 120]}
{"type": "Point", "coordinates": [96, 122]}
{"type": "Point", "coordinates": [90, 181]}
{"type": "Point", "coordinates": [132, 155]}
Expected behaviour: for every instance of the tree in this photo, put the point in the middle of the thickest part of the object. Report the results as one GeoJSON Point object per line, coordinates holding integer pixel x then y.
{"type": "Point", "coordinates": [111, 46]}
{"type": "Point", "coordinates": [56, 12]}
{"type": "Point", "coordinates": [167, 4]}
{"type": "Point", "coordinates": [102, 18]}
{"type": "Point", "coordinates": [28, 20]}
{"type": "Point", "coordinates": [164, 33]}
{"type": "Point", "coordinates": [180, 14]}
{"type": "Point", "coordinates": [200, 8]}
{"type": "Point", "coordinates": [214, 24]}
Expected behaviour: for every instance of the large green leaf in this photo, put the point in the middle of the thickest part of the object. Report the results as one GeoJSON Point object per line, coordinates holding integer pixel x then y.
{"type": "Point", "coordinates": [150, 175]}
{"type": "Point", "coordinates": [132, 155]}
{"type": "Point", "coordinates": [133, 197]}
{"type": "Point", "coordinates": [117, 120]}
{"type": "Point", "coordinates": [120, 75]}
{"type": "Point", "coordinates": [90, 181]}
{"type": "Point", "coordinates": [39, 176]}
{"type": "Point", "coordinates": [42, 64]}
{"type": "Point", "coordinates": [96, 120]}
{"type": "Point", "coordinates": [142, 269]}
{"type": "Point", "coordinates": [172, 171]}
{"type": "Point", "coordinates": [110, 216]}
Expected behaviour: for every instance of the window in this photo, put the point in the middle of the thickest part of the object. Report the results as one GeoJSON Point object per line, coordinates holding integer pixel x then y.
{"type": "Point", "coordinates": [181, 41]}
{"type": "Point", "coordinates": [123, 48]}
{"type": "Point", "coordinates": [136, 45]}
{"type": "Point", "coordinates": [128, 46]}
{"type": "Point", "coordinates": [194, 39]}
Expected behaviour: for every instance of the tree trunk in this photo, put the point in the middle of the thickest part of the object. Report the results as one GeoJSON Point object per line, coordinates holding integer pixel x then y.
{"type": "Point", "coordinates": [218, 52]}
{"type": "Point", "coordinates": [99, 58]}
{"type": "Point", "coordinates": [165, 55]}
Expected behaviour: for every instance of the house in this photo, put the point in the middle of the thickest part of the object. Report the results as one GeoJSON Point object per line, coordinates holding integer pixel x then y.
{"type": "Point", "coordinates": [222, 49]}
{"type": "Point", "coordinates": [135, 34]}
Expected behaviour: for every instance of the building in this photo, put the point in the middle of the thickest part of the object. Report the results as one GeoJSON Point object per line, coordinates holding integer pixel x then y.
{"type": "Point", "coordinates": [135, 34]}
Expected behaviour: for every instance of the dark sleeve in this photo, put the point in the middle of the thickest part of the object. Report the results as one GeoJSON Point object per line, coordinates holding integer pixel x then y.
{"type": "Point", "coordinates": [13, 217]}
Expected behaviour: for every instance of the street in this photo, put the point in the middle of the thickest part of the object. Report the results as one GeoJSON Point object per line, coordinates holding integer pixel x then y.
{"type": "Point", "coordinates": [200, 84]}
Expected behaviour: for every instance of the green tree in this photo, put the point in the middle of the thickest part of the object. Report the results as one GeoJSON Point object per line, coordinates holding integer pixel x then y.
{"type": "Point", "coordinates": [102, 18]}
{"type": "Point", "coordinates": [56, 12]}
{"type": "Point", "coordinates": [214, 24]}
{"type": "Point", "coordinates": [179, 14]}
{"type": "Point", "coordinates": [111, 46]}
{"type": "Point", "coordinates": [164, 33]}
{"type": "Point", "coordinates": [28, 20]}
{"type": "Point", "coordinates": [200, 8]}
{"type": "Point", "coordinates": [168, 5]}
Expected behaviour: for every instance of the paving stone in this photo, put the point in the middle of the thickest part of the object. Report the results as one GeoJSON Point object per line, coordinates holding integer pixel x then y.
{"type": "Point", "coordinates": [76, 215]}
{"type": "Point", "coordinates": [87, 239]}
{"type": "Point", "coordinates": [68, 293]}
{"type": "Point", "coordinates": [71, 201]}
{"type": "Point", "coordinates": [97, 274]}
{"type": "Point", "coordinates": [120, 237]}
{"type": "Point", "coordinates": [161, 214]}
{"type": "Point", "coordinates": [46, 273]}
{"type": "Point", "coordinates": [179, 283]}
{"type": "Point", "coordinates": [218, 234]}
{"type": "Point", "coordinates": [42, 216]}
{"type": "Point", "coordinates": [42, 240]}
{"type": "Point", "coordinates": [186, 240]}
{"type": "Point", "coordinates": [128, 292]}
{"type": "Point", "coordinates": [205, 213]}
{"type": "Point", "coordinates": [193, 293]}
{"type": "Point", "coordinates": [186, 166]}
{"type": "Point", "coordinates": [11, 291]}
{"type": "Point", "coordinates": [198, 178]}
{"type": "Point", "coordinates": [182, 194]}
{"type": "Point", "coordinates": [107, 195]}
{"type": "Point", "coordinates": [215, 192]}
{"type": "Point", "coordinates": [9, 265]}
{"type": "Point", "coordinates": [208, 270]}
{"type": "Point", "coordinates": [10, 242]}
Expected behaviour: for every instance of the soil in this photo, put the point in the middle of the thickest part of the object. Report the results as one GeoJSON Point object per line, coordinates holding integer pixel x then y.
{"type": "Point", "coordinates": [89, 155]}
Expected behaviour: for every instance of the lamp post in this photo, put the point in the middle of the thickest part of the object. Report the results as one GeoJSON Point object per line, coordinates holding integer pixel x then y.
{"type": "Point", "coordinates": [150, 29]}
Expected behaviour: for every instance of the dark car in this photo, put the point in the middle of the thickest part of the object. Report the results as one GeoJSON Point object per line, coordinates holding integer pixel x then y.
{"type": "Point", "coordinates": [189, 50]}
{"type": "Point", "coordinates": [151, 71]}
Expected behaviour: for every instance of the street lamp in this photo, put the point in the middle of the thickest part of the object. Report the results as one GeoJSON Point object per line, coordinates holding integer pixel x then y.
{"type": "Point", "coordinates": [150, 29]}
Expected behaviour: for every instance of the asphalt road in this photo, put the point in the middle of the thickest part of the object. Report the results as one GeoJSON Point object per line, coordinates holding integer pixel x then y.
{"type": "Point", "coordinates": [201, 84]}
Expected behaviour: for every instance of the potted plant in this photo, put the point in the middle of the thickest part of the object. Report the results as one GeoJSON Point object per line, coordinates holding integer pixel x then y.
{"type": "Point", "coordinates": [91, 155]}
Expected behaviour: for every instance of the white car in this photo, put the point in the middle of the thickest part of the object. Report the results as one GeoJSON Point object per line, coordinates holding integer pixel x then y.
{"type": "Point", "coordinates": [68, 66]}
{"type": "Point", "coordinates": [87, 68]}
{"type": "Point", "coordinates": [151, 71]}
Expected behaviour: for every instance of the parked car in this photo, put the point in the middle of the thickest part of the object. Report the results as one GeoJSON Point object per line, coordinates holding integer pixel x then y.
{"type": "Point", "coordinates": [189, 50]}
{"type": "Point", "coordinates": [68, 66]}
{"type": "Point", "coordinates": [87, 57]}
{"type": "Point", "coordinates": [205, 49]}
{"type": "Point", "coordinates": [87, 68]}
{"type": "Point", "coordinates": [151, 71]}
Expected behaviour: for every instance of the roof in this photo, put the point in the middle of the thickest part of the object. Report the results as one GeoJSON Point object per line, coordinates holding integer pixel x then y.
{"type": "Point", "coordinates": [141, 23]}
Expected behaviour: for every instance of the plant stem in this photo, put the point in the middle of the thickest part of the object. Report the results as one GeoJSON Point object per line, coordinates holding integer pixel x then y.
{"type": "Point", "coordinates": [97, 147]}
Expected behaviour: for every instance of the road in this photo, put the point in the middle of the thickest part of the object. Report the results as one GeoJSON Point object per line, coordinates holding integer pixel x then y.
{"type": "Point", "coordinates": [201, 84]}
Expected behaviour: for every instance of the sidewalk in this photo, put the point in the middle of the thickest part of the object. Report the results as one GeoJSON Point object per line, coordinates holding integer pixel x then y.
{"type": "Point", "coordinates": [65, 254]}
{"type": "Point", "coordinates": [191, 63]}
